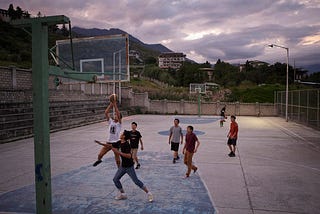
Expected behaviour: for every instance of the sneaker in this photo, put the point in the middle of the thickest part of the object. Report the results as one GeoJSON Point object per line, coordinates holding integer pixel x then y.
{"type": "Point", "coordinates": [178, 157]}
{"type": "Point", "coordinates": [231, 154]}
{"type": "Point", "coordinates": [174, 160]}
{"type": "Point", "coordinates": [121, 196]}
{"type": "Point", "coordinates": [97, 162]}
{"type": "Point", "coordinates": [186, 176]}
{"type": "Point", "coordinates": [138, 166]}
{"type": "Point", "coordinates": [194, 171]}
{"type": "Point", "coordinates": [150, 197]}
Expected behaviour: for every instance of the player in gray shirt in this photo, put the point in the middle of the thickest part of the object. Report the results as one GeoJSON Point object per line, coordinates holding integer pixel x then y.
{"type": "Point", "coordinates": [174, 139]}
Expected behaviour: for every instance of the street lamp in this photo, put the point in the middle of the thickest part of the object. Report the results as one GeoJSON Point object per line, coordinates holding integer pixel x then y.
{"type": "Point", "coordinates": [287, 78]}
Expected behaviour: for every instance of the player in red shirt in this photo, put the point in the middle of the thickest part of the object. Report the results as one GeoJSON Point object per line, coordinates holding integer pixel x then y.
{"type": "Point", "coordinates": [189, 149]}
{"type": "Point", "coordinates": [233, 136]}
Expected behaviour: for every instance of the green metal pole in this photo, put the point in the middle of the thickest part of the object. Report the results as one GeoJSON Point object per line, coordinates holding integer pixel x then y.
{"type": "Point", "coordinates": [40, 77]}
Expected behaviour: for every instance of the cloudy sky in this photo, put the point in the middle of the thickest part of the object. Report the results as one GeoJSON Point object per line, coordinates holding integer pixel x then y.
{"type": "Point", "coordinates": [205, 30]}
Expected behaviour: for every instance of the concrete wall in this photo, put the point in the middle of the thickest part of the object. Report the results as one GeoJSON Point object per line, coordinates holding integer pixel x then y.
{"type": "Point", "coordinates": [16, 87]}
{"type": "Point", "coordinates": [14, 78]}
{"type": "Point", "coordinates": [211, 108]}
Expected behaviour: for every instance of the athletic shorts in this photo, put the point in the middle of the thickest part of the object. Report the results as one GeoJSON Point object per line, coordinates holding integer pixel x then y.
{"type": "Point", "coordinates": [174, 146]}
{"type": "Point", "coordinates": [115, 145]}
{"type": "Point", "coordinates": [232, 141]}
{"type": "Point", "coordinates": [134, 152]}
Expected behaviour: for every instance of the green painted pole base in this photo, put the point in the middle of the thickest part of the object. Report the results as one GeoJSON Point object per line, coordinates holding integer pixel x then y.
{"type": "Point", "coordinates": [199, 104]}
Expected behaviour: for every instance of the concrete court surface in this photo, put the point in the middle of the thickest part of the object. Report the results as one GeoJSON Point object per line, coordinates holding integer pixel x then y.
{"type": "Point", "coordinates": [276, 170]}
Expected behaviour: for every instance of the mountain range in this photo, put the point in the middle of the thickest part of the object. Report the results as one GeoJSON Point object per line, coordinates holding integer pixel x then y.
{"type": "Point", "coordinates": [145, 50]}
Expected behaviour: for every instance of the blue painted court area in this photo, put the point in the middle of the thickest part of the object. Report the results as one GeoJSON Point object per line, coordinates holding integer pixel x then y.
{"type": "Point", "coordinates": [198, 120]}
{"type": "Point", "coordinates": [192, 121]}
{"type": "Point", "coordinates": [91, 190]}
{"type": "Point", "coordinates": [167, 132]}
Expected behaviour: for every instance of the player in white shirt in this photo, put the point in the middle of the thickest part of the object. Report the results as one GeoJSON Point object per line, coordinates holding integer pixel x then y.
{"type": "Point", "coordinates": [114, 130]}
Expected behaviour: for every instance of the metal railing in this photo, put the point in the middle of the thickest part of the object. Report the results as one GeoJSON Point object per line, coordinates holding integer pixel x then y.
{"type": "Point", "coordinates": [303, 106]}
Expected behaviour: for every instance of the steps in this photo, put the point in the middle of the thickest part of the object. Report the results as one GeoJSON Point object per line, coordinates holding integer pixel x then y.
{"type": "Point", "coordinates": [17, 118]}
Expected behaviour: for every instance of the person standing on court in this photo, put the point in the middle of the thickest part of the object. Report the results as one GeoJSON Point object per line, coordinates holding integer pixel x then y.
{"type": "Point", "coordinates": [222, 115]}
{"type": "Point", "coordinates": [189, 149]}
{"type": "Point", "coordinates": [135, 138]}
{"type": "Point", "coordinates": [233, 136]}
{"type": "Point", "coordinates": [175, 137]}
{"type": "Point", "coordinates": [114, 129]}
{"type": "Point", "coordinates": [127, 167]}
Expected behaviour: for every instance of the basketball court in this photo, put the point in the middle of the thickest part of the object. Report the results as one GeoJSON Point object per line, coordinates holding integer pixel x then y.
{"type": "Point", "coordinates": [276, 170]}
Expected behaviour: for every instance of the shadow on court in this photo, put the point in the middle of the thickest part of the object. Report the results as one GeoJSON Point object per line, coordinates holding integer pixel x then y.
{"type": "Point", "coordinates": [91, 190]}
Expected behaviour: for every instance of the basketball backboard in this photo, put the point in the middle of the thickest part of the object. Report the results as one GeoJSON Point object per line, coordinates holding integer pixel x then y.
{"type": "Point", "coordinates": [197, 88]}
{"type": "Point", "coordinates": [106, 56]}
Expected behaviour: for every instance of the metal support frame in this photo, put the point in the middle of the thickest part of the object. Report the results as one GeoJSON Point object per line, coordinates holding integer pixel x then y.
{"type": "Point", "coordinates": [40, 78]}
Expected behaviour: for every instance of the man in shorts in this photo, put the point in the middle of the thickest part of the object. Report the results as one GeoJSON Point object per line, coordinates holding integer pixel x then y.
{"type": "Point", "coordinates": [114, 130]}
{"type": "Point", "coordinates": [135, 138]}
{"type": "Point", "coordinates": [174, 137]}
{"type": "Point", "coordinates": [233, 136]}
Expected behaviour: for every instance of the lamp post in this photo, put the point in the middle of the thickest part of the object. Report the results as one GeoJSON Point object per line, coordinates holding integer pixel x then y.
{"type": "Point", "coordinates": [287, 77]}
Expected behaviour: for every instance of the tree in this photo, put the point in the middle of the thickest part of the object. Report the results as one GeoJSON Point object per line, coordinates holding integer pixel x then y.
{"type": "Point", "coordinates": [64, 30]}
{"type": "Point", "coordinates": [11, 12]}
{"type": "Point", "coordinates": [26, 14]}
{"type": "Point", "coordinates": [150, 60]}
{"type": "Point", "coordinates": [18, 13]}
{"type": "Point", "coordinates": [314, 77]}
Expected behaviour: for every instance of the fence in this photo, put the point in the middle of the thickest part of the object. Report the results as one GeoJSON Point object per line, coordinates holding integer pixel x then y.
{"type": "Point", "coordinates": [303, 106]}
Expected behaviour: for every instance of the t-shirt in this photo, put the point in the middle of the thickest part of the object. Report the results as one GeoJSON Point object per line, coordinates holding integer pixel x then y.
{"type": "Point", "coordinates": [125, 148]}
{"type": "Point", "coordinates": [222, 112]}
{"type": "Point", "coordinates": [135, 137]}
{"type": "Point", "coordinates": [114, 131]}
{"type": "Point", "coordinates": [191, 139]}
{"type": "Point", "coordinates": [176, 133]}
{"type": "Point", "coordinates": [233, 130]}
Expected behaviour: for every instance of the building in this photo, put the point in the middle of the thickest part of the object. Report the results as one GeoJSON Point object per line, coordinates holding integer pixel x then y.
{"type": "Point", "coordinates": [171, 60]}
{"type": "Point", "coordinates": [135, 57]}
{"type": "Point", "coordinates": [254, 64]}
{"type": "Point", "coordinates": [4, 15]}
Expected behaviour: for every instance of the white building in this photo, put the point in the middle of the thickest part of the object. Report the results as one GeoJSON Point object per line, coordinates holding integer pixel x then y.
{"type": "Point", "coordinates": [171, 60]}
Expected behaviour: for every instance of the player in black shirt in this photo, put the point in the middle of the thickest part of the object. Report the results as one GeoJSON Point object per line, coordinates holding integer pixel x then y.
{"type": "Point", "coordinates": [135, 138]}
{"type": "Point", "coordinates": [222, 115]}
{"type": "Point", "coordinates": [127, 167]}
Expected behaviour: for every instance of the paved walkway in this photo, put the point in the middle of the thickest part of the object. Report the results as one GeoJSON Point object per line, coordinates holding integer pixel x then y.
{"type": "Point", "coordinates": [276, 170]}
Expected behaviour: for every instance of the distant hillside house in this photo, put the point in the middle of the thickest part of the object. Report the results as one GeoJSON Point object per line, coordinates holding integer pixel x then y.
{"type": "Point", "coordinates": [135, 57]}
{"type": "Point", "coordinates": [171, 60]}
{"type": "Point", "coordinates": [254, 64]}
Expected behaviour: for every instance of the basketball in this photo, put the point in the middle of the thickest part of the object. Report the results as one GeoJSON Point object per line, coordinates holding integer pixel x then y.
{"type": "Point", "coordinates": [113, 98]}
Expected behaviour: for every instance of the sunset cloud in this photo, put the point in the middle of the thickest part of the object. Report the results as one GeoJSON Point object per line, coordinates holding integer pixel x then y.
{"type": "Point", "coordinates": [233, 31]}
